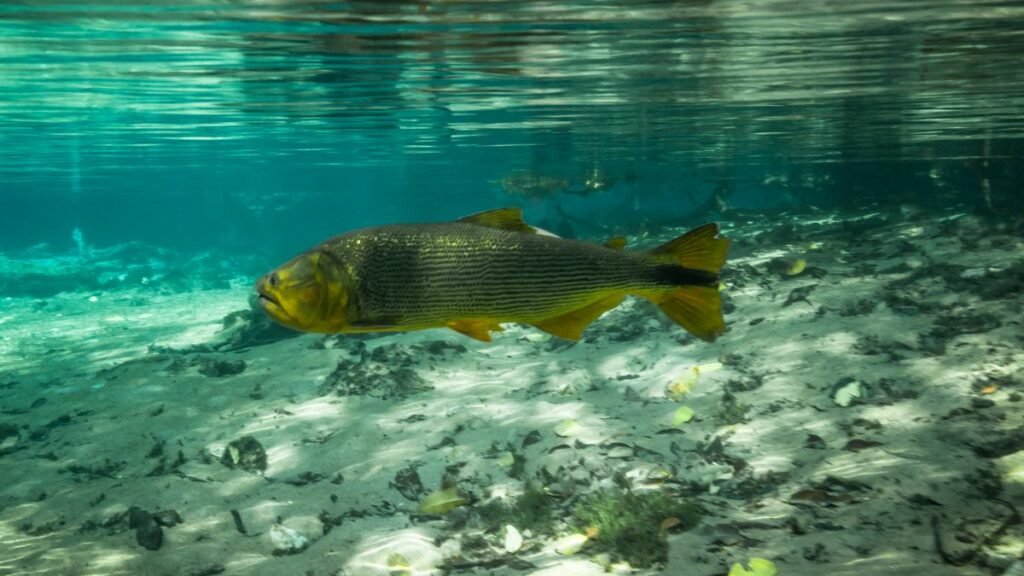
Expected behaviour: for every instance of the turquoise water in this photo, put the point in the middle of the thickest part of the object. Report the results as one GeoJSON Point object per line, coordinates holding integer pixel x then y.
{"type": "Point", "coordinates": [190, 124]}
{"type": "Point", "coordinates": [860, 413]}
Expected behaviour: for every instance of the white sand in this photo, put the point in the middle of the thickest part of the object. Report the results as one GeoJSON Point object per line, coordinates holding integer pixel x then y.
{"type": "Point", "coordinates": [89, 361]}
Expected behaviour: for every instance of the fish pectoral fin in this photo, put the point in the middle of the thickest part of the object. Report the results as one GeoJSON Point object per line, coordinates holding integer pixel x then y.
{"type": "Point", "coordinates": [479, 329]}
{"type": "Point", "coordinates": [698, 309]}
{"type": "Point", "coordinates": [571, 325]}
{"type": "Point", "coordinates": [510, 219]}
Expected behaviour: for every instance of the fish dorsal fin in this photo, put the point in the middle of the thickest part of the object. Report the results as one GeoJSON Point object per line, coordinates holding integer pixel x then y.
{"type": "Point", "coordinates": [510, 219]}
{"type": "Point", "coordinates": [478, 329]}
{"type": "Point", "coordinates": [571, 326]}
{"type": "Point", "coordinates": [616, 243]}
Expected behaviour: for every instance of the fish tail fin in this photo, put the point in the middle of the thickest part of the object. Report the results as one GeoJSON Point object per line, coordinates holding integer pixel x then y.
{"type": "Point", "coordinates": [691, 263]}
{"type": "Point", "coordinates": [698, 249]}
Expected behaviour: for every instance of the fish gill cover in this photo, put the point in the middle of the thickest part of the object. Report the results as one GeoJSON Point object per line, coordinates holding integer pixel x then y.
{"type": "Point", "coordinates": [860, 413]}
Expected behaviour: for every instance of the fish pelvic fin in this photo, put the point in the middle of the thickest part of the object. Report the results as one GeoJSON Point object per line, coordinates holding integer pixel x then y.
{"type": "Point", "coordinates": [510, 219]}
{"type": "Point", "coordinates": [698, 249]}
{"type": "Point", "coordinates": [572, 324]}
{"type": "Point", "coordinates": [478, 329]}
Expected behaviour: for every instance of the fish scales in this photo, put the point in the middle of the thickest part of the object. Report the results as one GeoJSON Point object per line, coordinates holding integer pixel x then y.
{"type": "Point", "coordinates": [488, 268]}
{"type": "Point", "coordinates": [423, 274]}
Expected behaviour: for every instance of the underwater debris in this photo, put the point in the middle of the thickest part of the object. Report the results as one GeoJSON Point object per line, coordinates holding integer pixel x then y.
{"type": "Point", "coordinates": [567, 428]}
{"type": "Point", "coordinates": [286, 540]}
{"type": "Point", "coordinates": [219, 368]}
{"type": "Point", "coordinates": [9, 438]}
{"type": "Point", "coordinates": [148, 531]}
{"type": "Point", "coordinates": [732, 411]}
{"type": "Point", "coordinates": [858, 444]}
{"type": "Point", "coordinates": [788, 267]}
{"type": "Point", "coordinates": [441, 502]}
{"type": "Point", "coordinates": [570, 544]}
{"type": "Point", "coordinates": [831, 490]}
{"type": "Point", "coordinates": [248, 328]}
{"type": "Point", "coordinates": [385, 375]}
{"type": "Point", "coordinates": [407, 483]}
{"type": "Point", "coordinates": [628, 526]}
{"type": "Point", "coordinates": [531, 510]}
{"type": "Point", "coordinates": [513, 539]}
{"type": "Point", "coordinates": [245, 453]}
{"type": "Point", "coordinates": [398, 565]}
{"type": "Point", "coordinates": [682, 415]}
{"type": "Point", "coordinates": [755, 567]}
{"type": "Point", "coordinates": [847, 392]}
{"type": "Point", "coordinates": [800, 295]}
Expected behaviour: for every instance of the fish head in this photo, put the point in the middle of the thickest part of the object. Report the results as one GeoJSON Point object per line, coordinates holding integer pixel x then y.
{"type": "Point", "coordinates": [308, 293]}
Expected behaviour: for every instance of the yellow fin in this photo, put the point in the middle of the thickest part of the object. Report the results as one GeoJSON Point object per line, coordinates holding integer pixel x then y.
{"type": "Point", "coordinates": [510, 219]}
{"type": "Point", "coordinates": [616, 243]}
{"type": "Point", "coordinates": [571, 326]}
{"type": "Point", "coordinates": [479, 329]}
{"type": "Point", "coordinates": [698, 249]}
{"type": "Point", "coordinates": [698, 309]}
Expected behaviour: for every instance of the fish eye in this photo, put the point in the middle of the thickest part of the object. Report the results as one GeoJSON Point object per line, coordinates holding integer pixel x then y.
{"type": "Point", "coordinates": [274, 280]}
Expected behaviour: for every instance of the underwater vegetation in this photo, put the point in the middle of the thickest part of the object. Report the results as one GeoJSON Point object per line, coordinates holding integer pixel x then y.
{"type": "Point", "coordinates": [633, 526]}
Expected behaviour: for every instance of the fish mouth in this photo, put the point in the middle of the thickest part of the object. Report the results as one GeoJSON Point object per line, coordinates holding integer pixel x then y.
{"type": "Point", "coordinates": [267, 301]}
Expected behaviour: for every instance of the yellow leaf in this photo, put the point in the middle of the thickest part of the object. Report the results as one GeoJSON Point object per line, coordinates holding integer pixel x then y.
{"type": "Point", "coordinates": [797, 266]}
{"type": "Point", "coordinates": [762, 567]}
{"type": "Point", "coordinates": [442, 501]}
{"type": "Point", "coordinates": [683, 415]}
{"type": "Point", "coordinates": [684, 384]}
{"type": "Point", "coordinates": [570, 544]}
{"type": "Point", "coordinates": [567, 428]}
{"type": "Point", "coordinates": [738, 570]}
{"type": "Point", "coordinates": [398, 565]}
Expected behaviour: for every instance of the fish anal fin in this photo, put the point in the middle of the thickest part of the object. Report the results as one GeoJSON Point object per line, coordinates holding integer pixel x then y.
{"type": "Point", "coordinates": [698, 309]}
{"type": "Point", "coordinates": [698, 249]}
{"type": "Point", "coordinates": [510, 219]}
{"type": "Point", "coordinates": [616, 243]}
{"type": "Point", "coordinates": [478, 329]}
{"type": "Point", "coordinates": [571, 325]}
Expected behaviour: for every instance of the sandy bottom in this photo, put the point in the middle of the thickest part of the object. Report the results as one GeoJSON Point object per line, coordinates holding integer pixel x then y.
{"type": "Point", "coordinates": [862, 417]}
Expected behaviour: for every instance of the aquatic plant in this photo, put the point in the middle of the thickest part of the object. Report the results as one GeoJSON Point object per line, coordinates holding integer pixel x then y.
{"type": "Point", "coordinates": [530, 511]}
{"type": "Point", "coordinates": [633, 527]}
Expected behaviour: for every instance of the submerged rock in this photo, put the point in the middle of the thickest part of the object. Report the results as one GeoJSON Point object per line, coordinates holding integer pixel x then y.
{"type": "Point", "coordinates": [148, 532]}
{"type": "Point", "coordinates": [245, 453]}
{"type": "Point", "coordinates": [216, 368]}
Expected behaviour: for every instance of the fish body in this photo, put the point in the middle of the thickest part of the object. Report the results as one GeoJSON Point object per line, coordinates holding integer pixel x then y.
{"type": "Point", "coordinates": [473, 274]}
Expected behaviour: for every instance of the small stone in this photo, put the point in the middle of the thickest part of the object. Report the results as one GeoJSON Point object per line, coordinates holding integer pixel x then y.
{"type": "Point", "coordinates": [407, 483]}
{"type": "Point", "coordinates": [215, 368]}
{"type": "Point", "coordinates": [150, 537]}
{"type": "Point", "coordinates": [513, 539]}
{"type": "Point", "coordinates": [815, 442]}
{"type": "Point", "coordinates": [982, 403]}
{"type": "Point", "coordinates": [286, 540]}
{"type": "Point", "coordinates": [245, 453]}
{"type": "Point", "coordinates": [167, 518]}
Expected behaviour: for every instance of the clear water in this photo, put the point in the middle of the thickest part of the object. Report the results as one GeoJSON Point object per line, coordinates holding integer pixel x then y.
{"type": "Point", "coordinates": [172, 121]}
{"type": "Point", "coordinates": [861, 415]}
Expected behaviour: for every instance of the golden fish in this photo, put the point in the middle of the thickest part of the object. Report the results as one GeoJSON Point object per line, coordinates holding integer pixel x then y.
{"type": "Point", "coordinates": [479, 271]}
